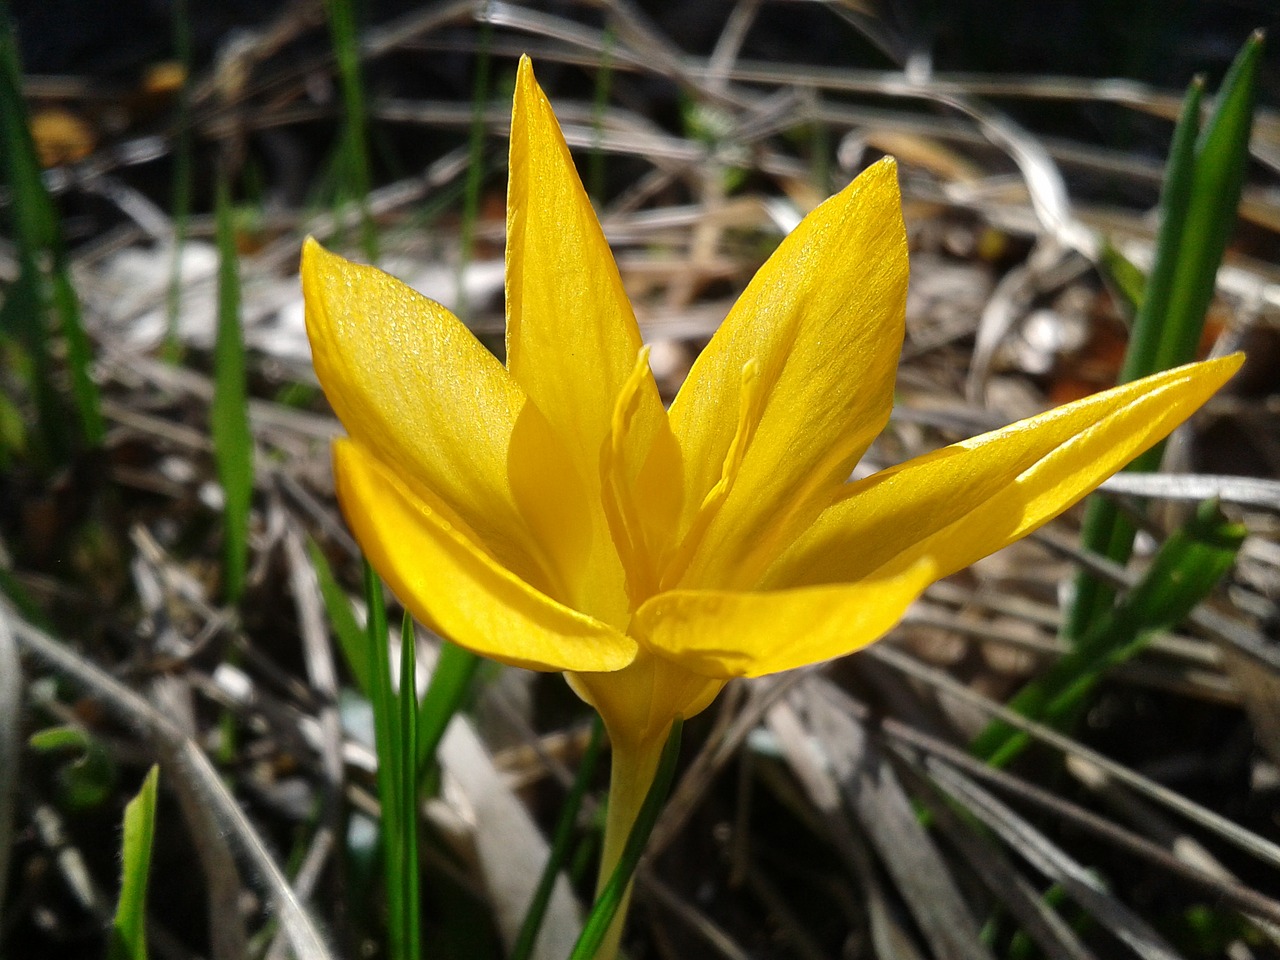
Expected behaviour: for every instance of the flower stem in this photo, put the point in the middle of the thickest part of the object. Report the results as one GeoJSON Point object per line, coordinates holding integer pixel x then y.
{"type": "Point", "coordinates": [636, 767]}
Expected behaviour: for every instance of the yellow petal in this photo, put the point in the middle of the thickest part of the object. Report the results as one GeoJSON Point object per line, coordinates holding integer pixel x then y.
{"type": "Point", "coordinates": [721, 634]}
{"type": "Point", "coordinates": [416, 389]}
{"type": "Point", "coordinates": [572, 338]}
{"type": "Point", "coordinates": [963, 502]}
{"type": "Point", "coordinates": [823, 319]}
{"type": "Point", "coordinates": [453, 586]}
{"type": "Point", "coordinates": [639, 702]}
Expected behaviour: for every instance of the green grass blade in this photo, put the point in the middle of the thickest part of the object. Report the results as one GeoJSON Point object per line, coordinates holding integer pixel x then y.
{"type": "Point", "coordinates": [34, 218]}
{"type": "Point", "coordinates": [1156, 323]}
{"type": "Point", "coordinates": [1128, 282]}
{"type": "Point", "coordinates": [38, 234]}
{"type": "Point", "coordinates": [448, 689]}
{"type": "Point", "coordinates": [14, 442]}
{"type": "Point", "coordinates": [475, 168]}
{"type": "Point", "coordinates": [1222, 156]}
{"type": "Point", "coordinates": [351, 639]}
{"type": "Point", "coordinates": [610, 899]}
{"type": "Point", "coordinates": [1184, 571]}
{"type": "Point", "coordinates": [1203, 181]}
{"type": "Point", "coordinates": [128, 933]}
{"type": "Point", "coordinates": [407, 790]}
{"type": "Point", "coordinates": [182, 150]}
{"type": "Point", "coordinates": [79, 351]}
{"type": "Point", "coordinates": [1106, 531]}
{"type": "Point", "coordinates": [604, 81]}
{"type": "Point", "coordinates": [232, 439]}
{"type": "Point", "coordinates": [560, 844]}
{"type": "Point", "coordinates": [385, 729]}
{"type": "Point", "coordinates": [396, 720]}
{"type": "Point", "coordinates": [23, 325]}
{"type": "Point", "coordinates": [354, 180]}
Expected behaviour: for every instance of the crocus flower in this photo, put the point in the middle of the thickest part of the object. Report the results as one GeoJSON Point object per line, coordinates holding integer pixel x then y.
{"type": "Point", "coordinates": [551, 514]}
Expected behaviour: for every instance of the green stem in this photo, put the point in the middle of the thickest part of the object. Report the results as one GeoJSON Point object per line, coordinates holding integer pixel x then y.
{"type": "Point", "coordinates": [559, 852]}
{"type": "Point", "coordinates": [634, 764]}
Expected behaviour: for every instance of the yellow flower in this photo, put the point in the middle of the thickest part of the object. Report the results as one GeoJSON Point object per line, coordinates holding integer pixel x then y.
{"type": "Point", "coordinates": [553, 515]}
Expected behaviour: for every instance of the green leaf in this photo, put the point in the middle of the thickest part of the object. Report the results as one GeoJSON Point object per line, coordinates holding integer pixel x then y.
{"type": "Point", "coordinates": [88, 778]}
{"type": "Point", "coordinates": [385, 730]}
{"type": "Point", "coordinates": [351, 639]}
{"type": "Point", "coordinates": [79, 352]}
{"type": "Point", "coordinates": [352, 162]}
{"type": "Point", "coordinates": [32, 211]}
{"type": "Point", "coordinates": [232, 438]}
{"type": "Point", "coordinates": [1105, 530]}
{"type": "Point", "coordinates": [128, 933]}
{"type": "Point", "coordinates": [1127, 280]}
{"type": "Point", "coordinates": [1222, 157]}
{"type": "Point", "coordinates": [59, 739]}
{"type": "Point", "coordinates": [1203, 181]}
{"type": "Point", "coordinates": [44, 283]}
{"type": "Point", "coordinates": [395, 732]}
{"type": "Point", "coordinates": [407, 792]}
{"type": "Point", "coordinates": [611, 897]}
{"type": "Point", "coordinates": [1157, 322]}
{"type": "Point", "coordinates": [475, 169]}
{"type": "Point", "coordinates": [1184, 571]}
{"type": "Point", "coordinates": [448, 689]}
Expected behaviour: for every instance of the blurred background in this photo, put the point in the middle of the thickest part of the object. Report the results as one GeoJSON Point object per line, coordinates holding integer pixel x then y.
{"type": "Point", "coordinates": [168, 528]}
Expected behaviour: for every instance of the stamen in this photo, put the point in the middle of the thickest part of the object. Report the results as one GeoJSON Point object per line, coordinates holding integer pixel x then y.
{"type": "Point", "coordinates": [749, 400]}
{"type": "Point", "coordinates": [617, 493]}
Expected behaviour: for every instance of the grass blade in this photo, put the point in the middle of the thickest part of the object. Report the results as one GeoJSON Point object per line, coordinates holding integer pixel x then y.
{"type": "Point", "coordinates": [600, 103]}
{"type": "Point", "coordinates": [232, 439]}
{"type": "Point", "coordinates": [23, 325]}
{"type": "Point", "coordinates": [1185, 570]}
{"type": "Point", "coordinates": [611, 897]}
{"type": "Point", "coordinates": [1222, 155]}
{"type": "Point", "coordinates": [475, 169]}
{"type": "Point", "coordinates": [1127, 281]}
{"type": "Point", "coordinates": [383, 700]}
{"type": "Point", "coordinates": [79, 352]}
{"type": "Point", "coordinates": [128, 934]}
{"type": "Point", "coordinates": [1204, 178]}
{"type": "Point", "coordinates": [34, 218]}
{"type": "Point", "coordinates": [1155, 322]}
{"type": "Point", "coordinates": [395, 726]}
{"type": "Point", "coordinates": [35, 296]}
{"type": "Point", "coordinates": [450, 683]}
{"type": "Point", "coordinates": [1106, 531]}
{"type": "Point", "coordinates": [407, 789]}
{"type": "Point", "coordinates": [560, 842]}
{"type": "Point", "coordinates": [354, 180]}
{"type": "Point", "coordinates": [351, 639]}
{"type": "Point", "coordinates": [182, 153]}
